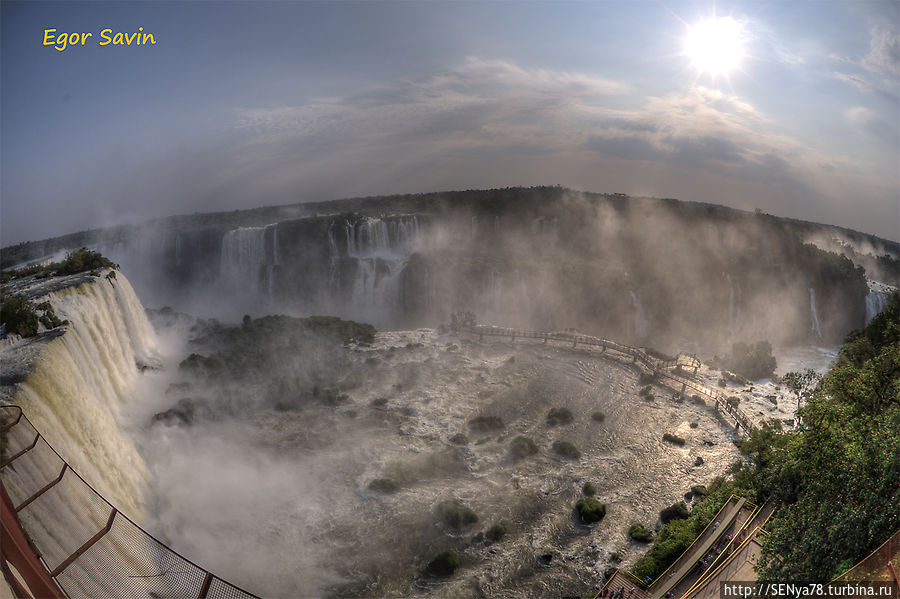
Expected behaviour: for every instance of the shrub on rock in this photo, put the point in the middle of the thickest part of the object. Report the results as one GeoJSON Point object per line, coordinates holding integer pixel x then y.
{"type": "Point", "coordinates": [590, 510]}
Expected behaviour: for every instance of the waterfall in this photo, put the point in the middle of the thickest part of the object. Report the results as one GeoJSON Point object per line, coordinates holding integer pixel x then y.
{"type": "Point", "coordinates": [381, 249]}
{"type": "Point", "coordinates": [875, 303]}
{"type": "Point", "coordinates": [814, 314]}
{"type": "Point", "coordinates": [734, 308]}
{"type": "Point", "coordinates": [641, 324]}
{"type": "Point", "coordinates": [243, 254]}
{"type": "Point", "coordinates": [82, 379]}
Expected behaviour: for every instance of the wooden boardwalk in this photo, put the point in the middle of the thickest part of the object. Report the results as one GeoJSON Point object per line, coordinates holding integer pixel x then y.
{"type": "Point", "coordinates": [672, 373]}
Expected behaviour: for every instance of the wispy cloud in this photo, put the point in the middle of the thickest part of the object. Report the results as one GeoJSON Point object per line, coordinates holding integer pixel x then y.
{"type": "Point", "coordinates": [884, 52]}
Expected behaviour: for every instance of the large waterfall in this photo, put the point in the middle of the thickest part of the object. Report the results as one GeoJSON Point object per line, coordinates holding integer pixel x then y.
{"type": "Point", "coordinates": [380, 249]}
{"type": "Point", "coordinates": [77, 388]}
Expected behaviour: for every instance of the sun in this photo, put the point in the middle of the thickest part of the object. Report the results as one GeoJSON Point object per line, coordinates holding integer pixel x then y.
{"type": "Point", "coordinates": [715, 46]}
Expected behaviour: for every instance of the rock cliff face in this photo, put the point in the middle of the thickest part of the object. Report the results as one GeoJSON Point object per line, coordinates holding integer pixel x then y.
{"type": "Point", "coordinates": [683, 274]}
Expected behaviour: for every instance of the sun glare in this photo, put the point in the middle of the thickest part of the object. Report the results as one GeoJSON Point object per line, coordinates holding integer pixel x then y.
{"type": "Point", "coordinates": [715, 46]}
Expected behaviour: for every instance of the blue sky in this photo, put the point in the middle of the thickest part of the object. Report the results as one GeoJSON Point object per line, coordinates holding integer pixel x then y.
{"type": "Point", "coordinates": [242, 104]}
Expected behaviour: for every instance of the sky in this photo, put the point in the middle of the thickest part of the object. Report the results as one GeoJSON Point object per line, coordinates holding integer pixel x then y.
{"type": "Point", "coordinates": [789, 107]}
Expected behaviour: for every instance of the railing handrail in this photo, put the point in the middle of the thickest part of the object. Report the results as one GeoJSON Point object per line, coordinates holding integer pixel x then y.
{"type": "Point", "coordinates": [114, 512]}
{"type": "Point", "coordinates": [658, 366]}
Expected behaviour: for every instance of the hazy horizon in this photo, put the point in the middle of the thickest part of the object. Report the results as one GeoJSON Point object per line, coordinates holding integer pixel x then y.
{"type": "Point", "coordinates": [241, 105]}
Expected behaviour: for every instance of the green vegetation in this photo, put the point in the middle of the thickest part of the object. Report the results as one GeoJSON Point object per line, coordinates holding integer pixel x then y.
{"type": "Point", "coordinates": [559, 416]}
{"type": "Point", "coordinates": [22, 317]}
{"type": "Point", "coordinates": [496, 532]}
{"type": "Point", "coordinates": [384, 485]}
{"type": "Point", "coordinates": [588, 489]}
{"type": "Point", "coordinates": [454, 514]}
{"type": "Point", "coordinates": [639, 533]}
{"type": "Point", "coordinates": [443, 565]}
{"type": "Point", "coordinates": [699, 490]}
{"type": "Point", "coordinates": [483, 424]}
{"type": "Point", "coordinates": [566, 450]}
{"type": "Point", "coordinates": [19, 316]}
{"type": "Point", "coordinates": [678, 534]}
{"type": "Point", "coordinates": [646, 378]}
{"type": "Point", "coordinates": [598, 416]}
{"type": "Point", "coordinates": [752, 361]}
{"type": "Point", "coordinates": [521, 447]}
{"type": "Point", "coordinates": [673, 439]}
{"type": "Point", "coordinates": [838, 477]}
{"type": "Point", "coordinates": [459, 439]}
{"type": "Point", "coordinates": [83, 260]}
{"type": "Point", "coordinates": [676, 511]}
{"type": "Point", "coordinates": [646, 393]}
{"type": "Point", "coordinates": [590, 510]}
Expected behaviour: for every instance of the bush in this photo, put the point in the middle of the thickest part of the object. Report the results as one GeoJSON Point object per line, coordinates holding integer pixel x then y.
{"type": "Point", "coordinates": [590, 510]}
{"type": "Point", "coordinates": [723, 383]}
{"type": "Point", "coordinates": [18, 315]}
{"type": "Point", "coordinates": [444, 564]}
{"type": "Point", "coordinates": [598, 416]}
{"type": "Point", "coordinates": [699, 490]}
{"type": "Point", "coordinates": [639, 533]}
{"type": "Point", "coordinates": [646, 378]}
{"type": "Point", "coordinates": [733, 401]}
{"type": "Point", "coordinates": [379, 402]}
{"type": "Point", "coordinates": [589, 489]}
{"type": "Point", "coordinates": [455, 514]}
{"type": "Point", "coordinates": [673, 439]}
{"type": "Point", "coordinates": [496, 532]}
{"type": "Point", "coordinates": [83, 260]}
{"type": "Point", "coordinates": [566, 450]}
{"type": "Point", "coordinates": [558, 416]}
{"type": "Point", "coordinates": [676, 511]}
{"type": "Point", "coordinates": [522, 447]}
{"type": "Point", "coordinates": [752, 361]}
{"type": "Point", "coordinates": [646, 393]}
{"type": "Point", "coordinates": [459, 439]}
{"type": "Point", "coordinates": [486, 423]}
{"type": "Point", "coordinates": [384, 485]}
{"type": "Point", "coordinates": [698, 400]}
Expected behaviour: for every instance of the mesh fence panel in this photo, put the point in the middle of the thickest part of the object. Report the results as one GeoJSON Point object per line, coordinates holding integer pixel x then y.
{"type": "Point", "coordinates": [64, 518]}
{"type": "Point", "coordinates": [219, 589]}
{"type": "Point", "coordinates": [28, 474]}
{"type": "Point", "coordinates": [126, 562]}
{"type": "Point", "coordinates": [123, 562]}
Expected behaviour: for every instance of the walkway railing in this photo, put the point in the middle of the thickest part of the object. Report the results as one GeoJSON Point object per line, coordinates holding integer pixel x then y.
{"type": "Point", "coordinates": [87, 547]}
{"type": "Point", "coordinates": [669, 372]}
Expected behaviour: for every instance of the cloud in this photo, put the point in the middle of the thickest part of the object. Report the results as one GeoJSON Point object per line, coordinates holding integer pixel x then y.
{"type": "Point", "coordinates": [884, 52]}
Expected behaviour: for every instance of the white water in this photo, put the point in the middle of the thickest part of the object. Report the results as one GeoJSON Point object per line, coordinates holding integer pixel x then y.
{"type": "Point", "coordinates": [381, 250]}
{"type": "Point", "coordinates": [243, 254]}
{"type": "Point", "coordinates": [78, 388]}
{"type": "Point", "coordinates": [815, 328]}
{"type": "Point", "coordinates": [877, 299]}
{"type": "Point", "coordinates": [734, 310]}
{"type": "Point", "coordinates": [641, 324]}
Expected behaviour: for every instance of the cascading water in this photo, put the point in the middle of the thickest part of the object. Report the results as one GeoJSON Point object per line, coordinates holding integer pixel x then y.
{"type": "Point", "coordinates": [876, 299]}
{"type": "Point", "coordinates": [381, 249]}
{"type": "Point", "coordinates": [77, 388]}
{"type": "Point", "coordinates": [641, 324]}
{"type": "Point", "coordinates": [243, 254]}
{"type": "Point", "coordinates": [247, 268]}
{"type": "Point", "coordinates": [815, 328]}
{"type": "Point", "coordinates": [734, 311]}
